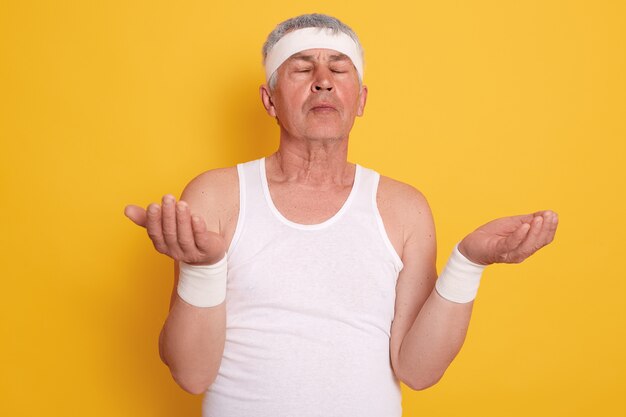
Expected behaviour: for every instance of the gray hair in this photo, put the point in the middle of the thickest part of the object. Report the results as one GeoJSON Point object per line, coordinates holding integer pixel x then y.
{"type": "Point", "coordinates": [313, 20]}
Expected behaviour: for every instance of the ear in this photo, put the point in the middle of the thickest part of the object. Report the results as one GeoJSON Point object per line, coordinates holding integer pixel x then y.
{"type": "Point", "coordinates": [266, 99]}
{"type": "Point", "coordinates": [362, 101]}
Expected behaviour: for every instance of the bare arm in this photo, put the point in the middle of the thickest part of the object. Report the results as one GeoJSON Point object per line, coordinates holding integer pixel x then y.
{"type": "Point", "coordinates": [428, 331]}
{"type": "Point", "coordinates": [191, 342]}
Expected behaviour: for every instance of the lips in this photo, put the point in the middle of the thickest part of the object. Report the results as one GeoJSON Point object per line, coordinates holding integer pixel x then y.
{"type": "Point", "coordinates": [323, 106]}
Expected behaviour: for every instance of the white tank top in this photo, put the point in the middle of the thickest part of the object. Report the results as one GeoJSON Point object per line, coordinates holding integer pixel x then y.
{"type": "Point", "coordinates": [309, 310]}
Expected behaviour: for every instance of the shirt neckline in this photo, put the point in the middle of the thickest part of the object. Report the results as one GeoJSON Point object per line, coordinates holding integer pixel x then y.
{"type": "Point", "coordinates": [317, 226]}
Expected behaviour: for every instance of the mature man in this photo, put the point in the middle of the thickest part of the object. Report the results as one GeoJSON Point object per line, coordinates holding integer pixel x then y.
{"type": "Point", "coordinates": [307, 284]}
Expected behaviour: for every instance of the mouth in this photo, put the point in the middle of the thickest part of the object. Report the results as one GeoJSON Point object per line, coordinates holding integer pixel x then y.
{"type": "Point", "coordinates": [323, 107]}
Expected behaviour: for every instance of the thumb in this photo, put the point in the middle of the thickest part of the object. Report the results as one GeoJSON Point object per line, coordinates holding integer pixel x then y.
{"type": "Point", "coordinates": [517, 237]}
{"type": "Point", "coordinates": [136, 214]}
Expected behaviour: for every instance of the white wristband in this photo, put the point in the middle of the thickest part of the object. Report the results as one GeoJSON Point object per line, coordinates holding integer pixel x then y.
{"type": "Point", "coordinates": [460, 278]}
{"type": "Point", "coordinates": [203, 285]}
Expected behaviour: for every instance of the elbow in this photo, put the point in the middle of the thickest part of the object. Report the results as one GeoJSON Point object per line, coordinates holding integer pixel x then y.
{"type": "Point", "coordinates": [193, 389]}
{"type": "Point", "coordinates": [193, 384]}
{"type": "Point", "coordinates": [418, 379]}
{"type": "Point", "coordinates": [421, 383]}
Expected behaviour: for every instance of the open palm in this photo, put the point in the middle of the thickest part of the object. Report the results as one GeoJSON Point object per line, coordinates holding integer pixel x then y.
{"type": "Point", "coordinates": [510, 239]}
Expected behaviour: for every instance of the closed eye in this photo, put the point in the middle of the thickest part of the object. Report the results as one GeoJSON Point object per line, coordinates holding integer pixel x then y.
{"type": "Point", "coordinates": [340, 68]}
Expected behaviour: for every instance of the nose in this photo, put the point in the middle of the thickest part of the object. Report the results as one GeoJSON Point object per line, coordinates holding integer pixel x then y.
{"type": "Point", "coordinates": [323, 80]}
{"type": "Point", "coordinates": [317, 87]}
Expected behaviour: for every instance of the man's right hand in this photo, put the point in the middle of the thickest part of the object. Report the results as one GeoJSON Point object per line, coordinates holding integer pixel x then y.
{"type": "Point", "coordinates": [177, 233]}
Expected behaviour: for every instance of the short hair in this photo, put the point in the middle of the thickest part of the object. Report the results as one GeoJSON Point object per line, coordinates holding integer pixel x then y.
{"type": "Point", "coordinates": [312, 20]}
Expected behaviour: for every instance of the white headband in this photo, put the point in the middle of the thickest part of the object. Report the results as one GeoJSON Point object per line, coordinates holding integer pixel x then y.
{"type": "Point", "coordinates": [312, 38]}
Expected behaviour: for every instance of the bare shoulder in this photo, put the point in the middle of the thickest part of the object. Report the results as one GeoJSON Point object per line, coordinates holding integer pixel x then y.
{"type": "Point", "coordinates": [214, 195]}
{"type": "Point", "coordinates": [403, 196]}
{"type": "Point", "coordinates": [405, 213]}
{"type": "Point", "coordinates": [211, 185]}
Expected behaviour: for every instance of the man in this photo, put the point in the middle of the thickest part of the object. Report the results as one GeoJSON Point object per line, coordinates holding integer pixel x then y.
{"type": "Point", "coordinates": [307, 284]}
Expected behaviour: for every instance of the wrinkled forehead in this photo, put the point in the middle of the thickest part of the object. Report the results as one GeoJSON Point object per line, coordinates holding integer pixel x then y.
{"type": "Point", "coordinates": [313, 55]}
{"type": "Point", "coordinates": [299, 42]}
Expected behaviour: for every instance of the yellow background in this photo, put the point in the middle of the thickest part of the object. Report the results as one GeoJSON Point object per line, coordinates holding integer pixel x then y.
{"type": "Point", "coordinates": [491, 108]}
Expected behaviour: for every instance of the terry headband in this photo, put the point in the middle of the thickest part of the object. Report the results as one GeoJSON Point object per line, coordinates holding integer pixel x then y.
{"type": "Point", "coordinates": [312, 38]}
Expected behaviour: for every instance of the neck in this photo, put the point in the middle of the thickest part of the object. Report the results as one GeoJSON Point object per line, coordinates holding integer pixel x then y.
{"type": "Point", "coordinates": [312, 162]}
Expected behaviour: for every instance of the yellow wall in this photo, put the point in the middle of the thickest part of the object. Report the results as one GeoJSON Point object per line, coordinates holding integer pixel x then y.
{"type": "Point", "coordinates": [491, 108]}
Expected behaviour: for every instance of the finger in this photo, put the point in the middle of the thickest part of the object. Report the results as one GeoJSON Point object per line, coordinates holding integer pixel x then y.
{"type": "Point", "coordinates": [200, 233]}
{"type": "Point", "coordinates": [516, 238]}
{"type": "Point", "coordinates": [524, 218]}
{"type": "Point", "coordinates": [531, 243]}
{"type": "Point", "coordinates": [555, 224]}
{"type": "Point", "coordinates": [207, 242]}
{"type": "Point", "coordinates": [542, 213]}
{"type": "Point", "coordinates": [506, 226]}
{"type": "Point", "coordinates": [183, 228]}
{"type": "Point", "coordinates": [136, 214]}
{"type": "Point", "coordinates": [168, 223]}
{"type": "Point", "coordinates": [153, 225]}
{"type": "Point", "coordinates": [550, 223]}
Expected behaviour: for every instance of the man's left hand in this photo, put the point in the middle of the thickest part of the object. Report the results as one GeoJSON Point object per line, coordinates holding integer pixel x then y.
{"type": "Point", "coordinates": [510, 239]}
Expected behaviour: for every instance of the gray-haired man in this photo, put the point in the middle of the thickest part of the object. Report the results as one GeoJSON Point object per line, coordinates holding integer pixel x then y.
{"type": "Point", "coordinates": [307, 284]}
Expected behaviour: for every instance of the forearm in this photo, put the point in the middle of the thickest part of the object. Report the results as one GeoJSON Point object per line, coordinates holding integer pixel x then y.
{"type": "Point", "coordinates": [433, 341]}
{"type": "Point", "coordinates": [191, 344]}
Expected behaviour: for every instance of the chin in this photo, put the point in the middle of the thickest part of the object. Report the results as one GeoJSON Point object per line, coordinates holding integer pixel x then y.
{"type": "Point", "coordinates": [325, 137]}
{"type": "Point", "coordinates": [325, 133]}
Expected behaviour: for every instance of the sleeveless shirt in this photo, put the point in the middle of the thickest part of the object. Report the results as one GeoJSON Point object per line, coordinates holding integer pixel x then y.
{"type": "Point", "coordinates": [308, 310]}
